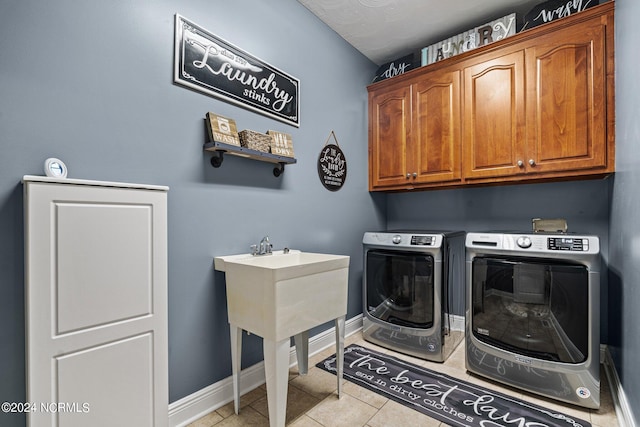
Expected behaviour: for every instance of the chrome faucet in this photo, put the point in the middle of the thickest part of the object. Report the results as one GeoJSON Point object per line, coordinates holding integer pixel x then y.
{"type": "Point", "coordinates": [263, 248]}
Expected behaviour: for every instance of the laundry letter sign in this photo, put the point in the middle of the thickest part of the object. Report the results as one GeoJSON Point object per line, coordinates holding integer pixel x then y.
{"type": "Point", "coordinates": [213, 66]}
{"type": "Point", "coordinates": [469, 40]}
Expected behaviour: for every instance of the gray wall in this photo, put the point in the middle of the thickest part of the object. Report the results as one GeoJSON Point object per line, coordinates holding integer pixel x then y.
{"type": "Point", "coordinates": [624, 252]}
{"type": "Point", "coordinates": [92, 84]}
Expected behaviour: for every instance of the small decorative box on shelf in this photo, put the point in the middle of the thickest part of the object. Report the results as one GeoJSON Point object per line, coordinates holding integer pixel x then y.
{"type": "Point", "coordinates": [255, 140]}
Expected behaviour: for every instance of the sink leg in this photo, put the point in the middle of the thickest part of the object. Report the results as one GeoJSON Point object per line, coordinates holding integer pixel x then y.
{"type": "Point", "coordinates": [302, 351]}
{"type": "Point", "coordinates": [236, 355]}
{"type": "Point", "coordinates": [276, 366]}
{"type": "Point", "coordinates": [340, 321]}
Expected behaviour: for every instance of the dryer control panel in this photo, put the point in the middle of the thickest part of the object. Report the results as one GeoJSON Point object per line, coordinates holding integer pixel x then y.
{"type": "Point", "coordinates": [556, 244]}
{"type": "Point", "coordinates": [567, 244]}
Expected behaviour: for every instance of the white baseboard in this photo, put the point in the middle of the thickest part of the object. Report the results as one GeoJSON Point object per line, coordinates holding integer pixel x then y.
{"type": "Point", "coordinates": [623, 411]}
{"type": "Point", "coordinates": [210, 398]}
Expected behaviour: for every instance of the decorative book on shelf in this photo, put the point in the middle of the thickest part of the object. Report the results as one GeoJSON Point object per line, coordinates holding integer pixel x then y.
{"type": "Point", "coordinates": [281, 144]}
{"type": "Point", "coordinates": [222, 129]}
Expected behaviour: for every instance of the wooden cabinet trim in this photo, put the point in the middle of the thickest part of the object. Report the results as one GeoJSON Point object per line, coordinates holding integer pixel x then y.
{"type": "Point", "coordinates": [603, 11]}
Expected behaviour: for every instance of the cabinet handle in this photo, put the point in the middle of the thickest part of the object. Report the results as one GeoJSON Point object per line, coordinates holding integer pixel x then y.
{"type": "Point", "coordinates": [520, 163]}
{"type": "Point", "coordinates": [532, 162]}
{"type": "Point", "coordinates": [415, 174]}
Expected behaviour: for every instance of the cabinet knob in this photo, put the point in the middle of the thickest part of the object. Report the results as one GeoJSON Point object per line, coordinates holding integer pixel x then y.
{"type": "Point", "coordinates": [408, 175]}
{"type": "Point", "coordinates": [532, 162]}
{"type": "Point", "coordinates": [415, 174]}
{"type": "Point", "coordinates": [520, 163]}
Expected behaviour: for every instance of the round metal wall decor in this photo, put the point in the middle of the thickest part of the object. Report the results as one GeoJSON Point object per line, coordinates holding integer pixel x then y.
{"type": "Point", "coordinates": [332, 165]}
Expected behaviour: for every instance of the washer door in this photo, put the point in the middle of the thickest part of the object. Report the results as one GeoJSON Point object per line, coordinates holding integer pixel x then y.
{"type": "Point", "coordinates": [399, 287]}
{"type": "Point", "coordinates": [535, 307]}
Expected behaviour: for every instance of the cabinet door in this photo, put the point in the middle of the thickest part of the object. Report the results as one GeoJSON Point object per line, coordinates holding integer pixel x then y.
{"type": "Point", "coordinates": [389, 127]}
{"type": "Point", "coordinates": [435, 135]}
{"type": "Point", "coordinates": [566, 105]}
{"type": "Point", "coordinates": [494, 116]}
{"type": "Point", "coordinates": [96, 304]}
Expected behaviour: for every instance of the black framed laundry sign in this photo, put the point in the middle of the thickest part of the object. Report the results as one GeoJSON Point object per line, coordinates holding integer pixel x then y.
{"type": "Point", "coordinates": [211, 65]}
{"type": "Point", "coordinates": [332, 165]}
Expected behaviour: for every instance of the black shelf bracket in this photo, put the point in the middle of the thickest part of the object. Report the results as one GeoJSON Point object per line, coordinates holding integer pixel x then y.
{"type": "Point", "coordinates": [277, 171]}
{"type": "Point", "coordinates": [217, 158]}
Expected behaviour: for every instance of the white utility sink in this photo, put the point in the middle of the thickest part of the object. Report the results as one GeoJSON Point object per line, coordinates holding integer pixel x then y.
{"type": "Point", "coordinates": [276, 297]}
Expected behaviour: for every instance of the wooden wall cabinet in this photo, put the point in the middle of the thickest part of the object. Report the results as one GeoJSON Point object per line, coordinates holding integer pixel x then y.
{"type": "Point", "coordinates": [537, 106]}
{"type": "Point", "coordinates": [494, 116]}
{"type": "Point", "coordinates": [389, 130]}
{"type": "Point", "coordinates": [415, 132]}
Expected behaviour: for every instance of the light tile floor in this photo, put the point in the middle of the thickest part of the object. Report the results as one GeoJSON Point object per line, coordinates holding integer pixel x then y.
{"type": "Point", "coordinates": [312, 399]}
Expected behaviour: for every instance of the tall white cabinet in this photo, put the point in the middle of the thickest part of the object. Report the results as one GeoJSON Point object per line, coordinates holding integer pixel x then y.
{"type": "Point", "coordinates": [96, 303]}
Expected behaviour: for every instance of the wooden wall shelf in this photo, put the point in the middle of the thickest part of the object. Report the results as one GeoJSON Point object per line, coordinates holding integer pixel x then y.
{"type": "Point", "coordinates": [219, 148]}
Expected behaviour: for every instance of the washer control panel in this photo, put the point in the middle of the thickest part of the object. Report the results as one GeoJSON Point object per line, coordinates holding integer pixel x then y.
{"type": "Point", "coordinates": [410, 240]}
{"type": "Point", "coordinates": [415, 240]}
{"type": "Point", "coordinates": [422, 240]}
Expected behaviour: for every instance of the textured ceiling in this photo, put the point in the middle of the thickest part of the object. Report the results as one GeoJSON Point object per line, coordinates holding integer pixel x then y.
{"type": "Point", "coordinates": [384, 30]}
